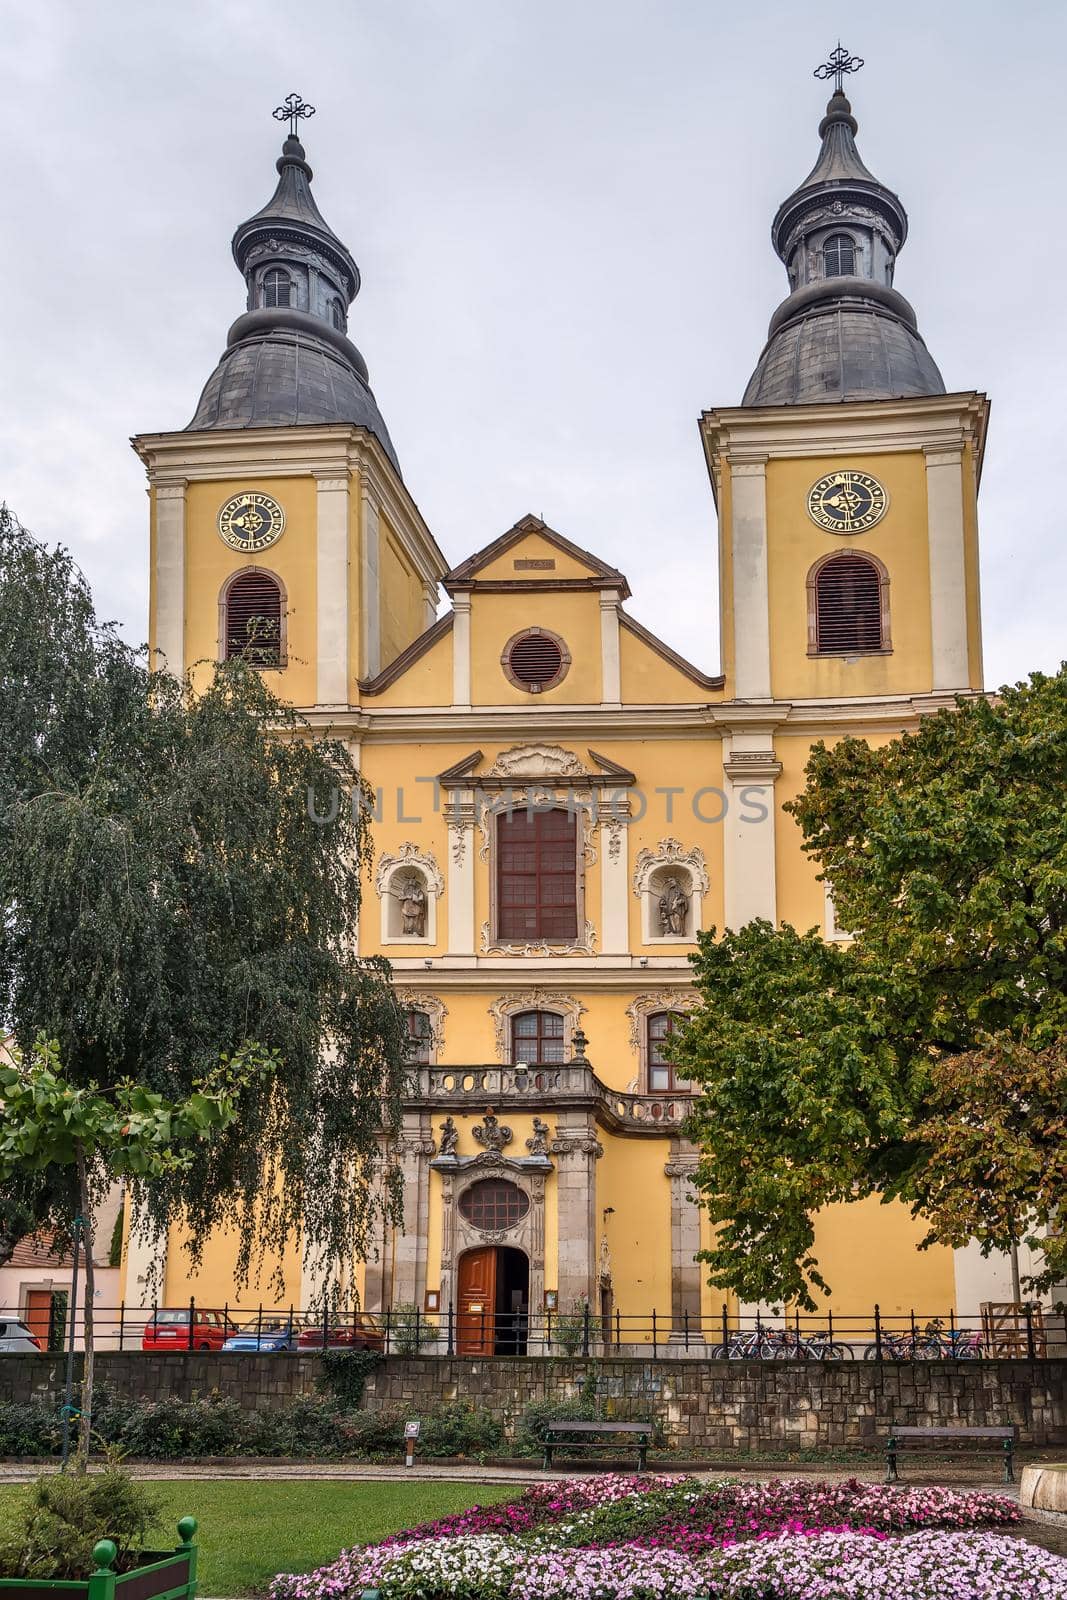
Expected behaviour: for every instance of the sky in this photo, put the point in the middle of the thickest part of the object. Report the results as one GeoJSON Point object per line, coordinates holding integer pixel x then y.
{"type": "Point", "coordinates": [561, 212]}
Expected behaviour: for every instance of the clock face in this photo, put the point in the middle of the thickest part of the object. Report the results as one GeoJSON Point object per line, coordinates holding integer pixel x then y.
{"type": "Point", "coordinates": [847, 502]}
{"type": "Point", "coordinates": [251, 521]}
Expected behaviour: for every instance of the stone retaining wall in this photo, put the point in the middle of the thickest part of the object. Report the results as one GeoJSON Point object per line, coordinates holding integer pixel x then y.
{"type": "Point", "coordinates": [719, 1405]}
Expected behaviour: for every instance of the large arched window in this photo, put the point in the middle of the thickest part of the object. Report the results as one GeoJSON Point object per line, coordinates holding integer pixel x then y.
{"type": "Point", "coordinates": [839, 256]}
{"type": "Point", "coordinates": [420, 1037]}
{"type": "Point", "coordinates": [253, 619]}
{"type": "Point", "coordinates": [662, 1075]}
{"type": "Point", "coordinates": [277, 288]}
{"type": "Point", "coordinates": [537, 1038]}
{"type": "Point", "coordinates": [537, 875]}
{"type": "Point", "coordinates": [337, 315]}
{"type": "Point", "coordinates": [848, 606]}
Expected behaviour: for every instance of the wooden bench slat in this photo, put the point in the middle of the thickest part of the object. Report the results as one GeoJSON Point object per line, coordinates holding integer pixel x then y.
{"type": "Point", "coordinates": [952, 1433]}
{"type": "Point", "coordinates": [906, 1439]}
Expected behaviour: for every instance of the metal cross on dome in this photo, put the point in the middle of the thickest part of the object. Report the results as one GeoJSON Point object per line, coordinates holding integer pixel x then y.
{"type": "Point", "coordinates": [293, 108]}
{"type": "Point", "coordinates": [839, 63]}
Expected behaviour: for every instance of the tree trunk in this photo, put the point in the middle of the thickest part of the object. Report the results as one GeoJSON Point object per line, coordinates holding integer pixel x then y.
{"type": "Point", "coordinates": [85, 1424]}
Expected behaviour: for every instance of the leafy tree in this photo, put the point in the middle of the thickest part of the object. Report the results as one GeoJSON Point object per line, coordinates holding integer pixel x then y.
{"type": "Point", "coordinates": [168, 895]}
{"type": "Point", "coordinates": [827, 1071]}
{"type": "Point", "coordinates": [127, 1133]}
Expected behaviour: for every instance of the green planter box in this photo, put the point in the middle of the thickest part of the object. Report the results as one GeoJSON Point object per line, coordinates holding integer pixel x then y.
{"type": "Point", "coordinates": [158, 1575]}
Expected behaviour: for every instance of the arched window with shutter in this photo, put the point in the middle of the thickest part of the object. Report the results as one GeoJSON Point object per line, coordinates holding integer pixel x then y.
{"type": "Point", "coordinates": [839, 256]}
{"type": "Point", "coordinates": [252, 619]}
{"type": "Point", "coordinates": [277, 288]}
{"type": "Point", "coordinates": [848, 606]}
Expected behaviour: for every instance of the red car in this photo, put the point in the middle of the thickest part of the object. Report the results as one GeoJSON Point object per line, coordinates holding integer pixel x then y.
{"type": "Point", "coordinates": [169, 1330]}
{"type": "Point", "coordinates": [361, 1333]}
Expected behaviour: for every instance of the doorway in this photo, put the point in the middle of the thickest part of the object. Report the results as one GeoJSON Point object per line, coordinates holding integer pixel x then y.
{"type": "Point", "coordinates": [46, 1316]}
{"type": "Point", "coordinates": [494, 1302]}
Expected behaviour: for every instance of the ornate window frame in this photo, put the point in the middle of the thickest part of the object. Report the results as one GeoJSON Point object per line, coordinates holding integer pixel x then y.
{"type": "Point", "coordinates": [435, 1009]}
{"type": "Point", "coordinates": [522, 797]}
{"type": "Point", "coordinates": [408, 861]}
{"type": "Point", "coordinates": [643, 1006]}
{"type": "Point", "coordinates": [885, 648]}
{"type": "Point", "coordinates": [283, 615]}
{"type": "Point", "coordinates": [652, 866]}
{"type": "Point", "coordinates": [458, 1235]}
{"type": "Point", "coordinates": [509, 1005]}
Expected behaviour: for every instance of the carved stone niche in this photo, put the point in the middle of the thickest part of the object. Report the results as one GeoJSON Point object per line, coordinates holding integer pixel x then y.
{"type": "Point", "coordinates": [670, 883]}
{"type": "Point", "coordinates": [459, 1233]}
{"type": "Point", "coordinates": [409, 885]}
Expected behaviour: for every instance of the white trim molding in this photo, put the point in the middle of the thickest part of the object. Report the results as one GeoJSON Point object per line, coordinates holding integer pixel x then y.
{"type": "Point", "coordinates": [170, 574]}
{"type": "Point", "coordinates": [507, 1006]}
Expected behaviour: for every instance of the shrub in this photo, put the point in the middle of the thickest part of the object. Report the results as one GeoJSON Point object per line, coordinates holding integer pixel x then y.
{"type": "Point", "coordinates": [569, 1328]}
{"type": "Point", "coordinates": [33, 1429]}
{"type": "Point", "coordinates": [67, 1513]}
{"type": "Point", "coordinates": [167, 1429]}
{"type": "Point", "coordinates": [458, 1429]}
{"type": "Point", "coordinates": [532, 1430]}
{"type": "Point", "coordinates": [409, 1330]}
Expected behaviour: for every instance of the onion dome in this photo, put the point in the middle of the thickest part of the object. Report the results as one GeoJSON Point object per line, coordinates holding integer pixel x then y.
{"type": "Point", "coordinates": [844, 332]}
{"type": "Point", "coordinates": [288, 360]}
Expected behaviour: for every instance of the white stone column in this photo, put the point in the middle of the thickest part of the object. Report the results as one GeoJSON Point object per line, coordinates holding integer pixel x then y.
{"type": "Point", "coordinates": [331, 652]}
{"type": "Point", "coordinates": [415, 1150]}
{"type": "Point", "coordinates": [685, 1242]}
{"type": "Point", "coordinates": [370, 580]}
{"type": "Point", "coordinates": [610, 661]}
{"type": "Point", "coordinates": [576, 1150]}
{"type": "Point", "coordinates": [459, 815]}
{"type": "Point", "coordinates": [749, 879]}
{"type": "Point", "coordinates": [948, 572]}
{"type": "Point", "coordinates": [751, 612]}
{"type": "Point", "coordinates": [170, 574]}
{"type": "Point", "coordinates": [614, 852]}
{"type": "Point", "coordinates": [429, 604]}
{"type": "Point", "coordinates": [461, 650]}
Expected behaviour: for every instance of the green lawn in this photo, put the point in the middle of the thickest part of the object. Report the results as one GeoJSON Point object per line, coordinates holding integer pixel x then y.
{"type": "Point", "coordinates": [250, 1531]}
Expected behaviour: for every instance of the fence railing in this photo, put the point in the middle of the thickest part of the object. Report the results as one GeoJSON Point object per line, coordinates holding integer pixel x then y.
{"type": "Point", "coordinates": [474, 1329]}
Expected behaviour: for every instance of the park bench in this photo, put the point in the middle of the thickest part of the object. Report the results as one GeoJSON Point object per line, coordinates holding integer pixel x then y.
{"type": "Point", "coordinates": [990, 1441]}
{"type": "Point", "coordinates": [598, 1436]}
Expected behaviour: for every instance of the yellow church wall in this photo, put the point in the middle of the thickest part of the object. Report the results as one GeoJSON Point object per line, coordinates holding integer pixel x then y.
{"type": "Point", "coordinates": [899, 541]}
{"type": "Point", "coordinates": [427, 682]}
{"type": "Point", "coordinates": [574, 615]}
{"type": "Point", "coordinates": [971, 569]}
{"type": "Point", "coordinates": [401, 596]}
{"type": "Point", "coordinates": [630, 1179]}
{"type": "Point", "coordinates": [868, 1253]}
{"type": "Point", "coordinates": [208, 564]}
{"type": "Point", "coordinates": [407, 815]}
{"type": "Point", "coordinates": [533, 547]}
{"type": "Point", "coordinates": [214, 1283]}
{"type": "Point", "coordinates": [648, 679]}
{"type": "Point", "coordinates": [693, 816]}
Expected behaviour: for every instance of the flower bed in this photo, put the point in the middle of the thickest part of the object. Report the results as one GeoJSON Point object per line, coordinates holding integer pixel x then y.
{"type": "Point", "coordinates": [662, 1538]}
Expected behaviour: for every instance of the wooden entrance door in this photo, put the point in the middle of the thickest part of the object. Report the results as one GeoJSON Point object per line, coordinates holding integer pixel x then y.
{"type": "Point", "coordinates": [476, 1320]}
{"type": "Point", "coordinates": [39, 1313]}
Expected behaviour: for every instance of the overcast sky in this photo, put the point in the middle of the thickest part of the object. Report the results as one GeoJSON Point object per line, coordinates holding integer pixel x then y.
{"type": "Point", "coordinates": [561, 212]}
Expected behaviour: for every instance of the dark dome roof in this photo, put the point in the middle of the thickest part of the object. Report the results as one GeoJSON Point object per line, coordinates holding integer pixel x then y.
{"type": "Point", "coordinates": [842, 353]}
{"type": "Point", "coordinates": [285, 378]}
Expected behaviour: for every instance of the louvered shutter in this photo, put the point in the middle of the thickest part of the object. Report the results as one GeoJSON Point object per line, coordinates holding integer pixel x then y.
{"type": "Point", "coordinates": [848, 605]}
{"type": "Point", "coordinates": [254, 620]}
{"type": "Point", "coordinates": [535, 660]}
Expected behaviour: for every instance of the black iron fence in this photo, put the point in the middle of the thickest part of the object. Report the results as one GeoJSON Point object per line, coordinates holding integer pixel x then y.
{"type": "Point", "coordinates": [1018, 1332]}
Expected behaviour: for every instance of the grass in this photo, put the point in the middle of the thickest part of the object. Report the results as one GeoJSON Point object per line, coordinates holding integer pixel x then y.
{"type": "Point", "coordinates": [249, 1531]}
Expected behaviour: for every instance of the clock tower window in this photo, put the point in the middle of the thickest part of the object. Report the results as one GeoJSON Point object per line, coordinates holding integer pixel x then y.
{"type": "Point", "coordinates": [277, 288]}
{"type": "Point", "coordinates": [839, 256]}
{"type": "Point", "coordinates": [252, 617]}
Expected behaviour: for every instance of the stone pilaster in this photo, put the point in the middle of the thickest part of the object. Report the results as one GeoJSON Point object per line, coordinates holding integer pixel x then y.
{"type": "Point", "coordinates": [331, 653]}
{"type": "Point", "coordinates": [459, 812]}
{"type": "Point", "coordinates": [749, 879]}
{"type": "Point", "coordinates": [414, 1150]}
{"type": "Point", "coordinates": [576, 1149]}
{"type": "Point", "coordinates": [461, 650]}
{"type": "Point", "coordinates": [613, 823]}
{"type": "Point", "coordinates": [948, 574]}
{"type": "Point", "coordinates": [170, 574]}
{"type": "Point", "coordinates": [685, 1241]}
{"type": "Point", "coordinates": [751, 612]}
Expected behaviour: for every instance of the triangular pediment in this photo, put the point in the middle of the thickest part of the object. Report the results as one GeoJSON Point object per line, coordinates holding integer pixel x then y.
{"type": "Point", "coordinates": [535, 763]}
{"type": "Point", "coordinates": [532, 555]}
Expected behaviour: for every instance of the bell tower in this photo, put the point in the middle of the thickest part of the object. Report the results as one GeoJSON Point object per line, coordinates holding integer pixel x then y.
{"type": "Point", "coordinates": [846, 481]}
{"type": "Point", "coordinates": [282, 529]}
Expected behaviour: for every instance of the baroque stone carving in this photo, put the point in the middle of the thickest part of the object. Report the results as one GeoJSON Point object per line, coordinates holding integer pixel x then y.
{"type": "Point", "coordinates": [449, 1144]}
{"type": "Point", "coordinates": [537, 1144]}
{"type": "Point", "coordinates": [572, 1144]}
{"type": "Point", "coordinates": [537, 761]}
{"type": "Point", "coordinates": [673, 908]}
{"type": "Point", "coordinates": [584, 946]}
{"type": "Point", "coordinates": [502, 1010]}
{"type": "Point", "coordinates": [492, 1133]}
{"type": "Point", "coordinates": [670, 853]}
{"type": "Point", "coordinates": [435, 1009]}
{"type": "Point", "coordinates": [409, 855]}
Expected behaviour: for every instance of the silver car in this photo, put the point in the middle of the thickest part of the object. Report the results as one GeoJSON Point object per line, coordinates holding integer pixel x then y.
{"type": "Point", "coordinates": [16, 1338]}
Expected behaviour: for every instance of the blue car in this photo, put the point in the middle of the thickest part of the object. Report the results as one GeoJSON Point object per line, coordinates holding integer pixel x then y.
{"type": "Point", "coordinates": [270, 1337]}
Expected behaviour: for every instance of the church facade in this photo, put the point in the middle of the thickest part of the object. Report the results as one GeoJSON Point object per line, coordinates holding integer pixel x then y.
{"type": "Point", "coordinates": [562, 802]}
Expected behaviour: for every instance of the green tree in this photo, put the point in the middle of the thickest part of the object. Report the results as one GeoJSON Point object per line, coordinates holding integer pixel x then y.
{"type": "Point", "coordinates": [126, 1133]}
{"type": "Point", "coordinates": [824, 1068]}
{"type": "Point", "coordinates": [168, 895]}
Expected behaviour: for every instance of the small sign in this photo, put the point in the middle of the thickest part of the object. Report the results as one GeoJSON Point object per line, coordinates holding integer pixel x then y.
{"type": "Point", "coordinates": [411, 1430]}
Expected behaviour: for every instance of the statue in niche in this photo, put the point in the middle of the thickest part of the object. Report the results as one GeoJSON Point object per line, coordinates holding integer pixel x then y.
{"type": "Point", "coordinates": [673, 908]}
{"type": "Point", "coordinates": [449, 1143]}
{"type": "Point", "coordinates": [537, 1144]}
{"type": "Point", "coordinates": [412, 897]}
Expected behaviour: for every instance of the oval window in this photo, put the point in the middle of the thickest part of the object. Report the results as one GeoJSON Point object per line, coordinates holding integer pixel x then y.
{"type": "Point", "coordinates": [535, 660]}
{"type": "Point", "coordinates": [493, 1204]}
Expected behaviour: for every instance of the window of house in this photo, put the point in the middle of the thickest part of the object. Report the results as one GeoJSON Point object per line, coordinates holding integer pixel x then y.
{"type": "Point", "coordinates": [537, 1038]}
{"type": "Point", "coordinates": [252, 627]}
{"type": "Point", "coordinates": [849, 611]}
{"type": "Point", "coordinates": [662, 1075]}
{"type": "Point", "coordinates": [493, 1204]}
{"type": "Point", "coordinates": [839, 256]}
{"type": "Point", "coordinates": [537, 875]}
{"type": "Point", "coordinates": [277, 288]}
{"type": "Point", "coordinates": [420, 1038]}
{"type": "Point", "coordinates": [337, 316]}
